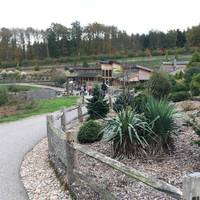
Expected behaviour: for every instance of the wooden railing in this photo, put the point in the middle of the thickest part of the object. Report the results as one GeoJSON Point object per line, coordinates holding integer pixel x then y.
{"type": "Point", "coordinates": [65, 149]}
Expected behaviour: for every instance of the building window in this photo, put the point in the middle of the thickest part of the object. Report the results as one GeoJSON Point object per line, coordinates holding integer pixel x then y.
{"type": "Point", "coordinates": [110, 73]}
{"type": "Point", "coordinates": [106, 73]}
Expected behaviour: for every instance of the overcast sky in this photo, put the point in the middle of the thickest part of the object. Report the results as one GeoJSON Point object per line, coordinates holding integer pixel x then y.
{"type": "Point", "coordinates": [134, 16]}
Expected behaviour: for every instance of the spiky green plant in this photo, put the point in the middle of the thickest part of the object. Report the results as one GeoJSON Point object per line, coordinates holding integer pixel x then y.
{"type": "Point", "coordinates": [129, 133]}
{"type": "Point", "coordinates": [163, 115]}
{"type": "Point", "coordinates": [123, 100]}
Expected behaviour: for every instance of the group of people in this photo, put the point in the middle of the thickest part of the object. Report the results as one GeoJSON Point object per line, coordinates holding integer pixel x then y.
{"type": "Point", "coordinates": [87, 89]}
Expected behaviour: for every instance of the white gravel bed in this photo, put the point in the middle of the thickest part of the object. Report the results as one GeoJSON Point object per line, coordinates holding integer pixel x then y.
{"type": "Point", "coordinates": [38, 176]}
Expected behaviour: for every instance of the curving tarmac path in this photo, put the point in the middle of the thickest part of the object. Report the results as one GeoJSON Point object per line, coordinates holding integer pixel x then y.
{"type": "Point", "coordinates": [16, 139]}
{"type": "Point", "coordinates": [37, 85]}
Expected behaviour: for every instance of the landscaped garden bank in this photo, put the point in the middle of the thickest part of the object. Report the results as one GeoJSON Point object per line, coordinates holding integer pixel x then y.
{"type": "Point", "coordinates": [170, 168]}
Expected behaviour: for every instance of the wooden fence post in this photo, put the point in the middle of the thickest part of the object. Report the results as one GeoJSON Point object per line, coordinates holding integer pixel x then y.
{"type": "Point", "coordinates": [191, 187]}
{"type": "Point", "coordinates": [83, 97]}
{"type": "Point", "coordinates": [110, 93]}
{"type": "Point", "coordinates": [70, 156]}
{"type": "Point", "coordinates": [63, 119]}
{"type": "Point", "coordinates": [49, 120]}
{"type": "Point", "coordinates": [80, 113]}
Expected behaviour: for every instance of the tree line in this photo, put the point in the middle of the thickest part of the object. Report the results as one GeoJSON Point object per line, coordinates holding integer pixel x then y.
{"type": "Point", "coordinates": [19, 45]}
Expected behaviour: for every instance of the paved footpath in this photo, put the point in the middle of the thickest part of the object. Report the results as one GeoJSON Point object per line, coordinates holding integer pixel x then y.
{"type": "Point", "coordinates": [16, 139]}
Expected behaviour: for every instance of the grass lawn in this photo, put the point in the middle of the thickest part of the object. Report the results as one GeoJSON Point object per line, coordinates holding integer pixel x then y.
{"type": "Point", "coordinates": [17, 88]}
{"type": "Point", "coordinates": [41, 107]}
{"type": "Point", "coordinates": [154, 62]}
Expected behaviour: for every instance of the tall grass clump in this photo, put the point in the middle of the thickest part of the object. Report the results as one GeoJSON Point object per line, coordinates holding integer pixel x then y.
{"type": "Point", "coordinates": [123, 100]}
{"type": "Point", "coordinates": [128, 132]}
{"type": "Point", "coordinates": [162, 114]}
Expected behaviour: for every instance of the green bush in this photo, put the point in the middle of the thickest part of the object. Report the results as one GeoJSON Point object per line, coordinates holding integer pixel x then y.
{"type": "Point", "coordinates": [123, 100]}
{"type": "Point", "coordinates": [179, 75]}
{"type": "Point", "coordinates": [37, 68]}
{"type": "Point", "coordinates": [3, 96]}
{"type": "Point", "coordinates": [129, 133]}
{"type": "Point", "coordinates": [195, 58]}
{"type": "Point", "coordinates": [190, 72]}
{"type": "Point", "coordinates": [178, 87]}
{"type": "Point", "coordinates": [90, 132]}
{"type": "Point", "coordinates": [25, 104]}
{"type": "Point", "coordinates": [179, 96]}
{"type": "Point", "coordinates": [195, 126]}
{"type": "Point", "coordinates": [195, 85]}
{"type": "Point", "coordinates": [140, 102]}
{"type": "Point", "coordinates": [163, 115]}
{"type": "Point", "coordinates": [85, 64]}
{"type": "Point", "coordinates": [97, 106]}
{"type": "Point", "coordinates": [140, 86]}
{"type": "Point", "coordinates": [59, 79]}
{"type": "Point", "coordinates": [159, 85]}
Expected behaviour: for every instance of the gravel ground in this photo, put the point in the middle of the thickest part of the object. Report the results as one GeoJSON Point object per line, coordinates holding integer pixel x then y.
{"type": "Point", "coordinates": [39, 178]}
{"type": "Point", "coordinates": [170, 168]}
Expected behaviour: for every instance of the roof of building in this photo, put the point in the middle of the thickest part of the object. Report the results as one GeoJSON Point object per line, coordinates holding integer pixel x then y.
{"type": "Point", "coordinates": [85, 68]}
{"type": "Point", "coordinates": [176, 62]}
{"type": "Point", "coordinates": [144, 68]}
{"type": "Point", "coordinates": [110, 62]}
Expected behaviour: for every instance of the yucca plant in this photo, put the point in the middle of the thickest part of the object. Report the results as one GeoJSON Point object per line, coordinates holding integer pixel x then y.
{"type": "Point", "coordinates": [123, 100]}
{"type": "Point", "coordinates": [129, 133]}
{"type": "Point", "coordinates": [163, 115]}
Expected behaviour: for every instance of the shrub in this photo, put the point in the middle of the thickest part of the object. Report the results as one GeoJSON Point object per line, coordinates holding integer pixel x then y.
{"type": "Point", "coordinates": [179, 75]}
{"type": "Point", "coordinates": [25, 104]}
{"type": "Point", "coordinates": [190, 72]}
{"type": "Point", "coordinates": [37, 68]}
{"type": "Point", "coordinates": [179, 96]}
{"type": "Point", "coordinates": [59, 79]}
{"type": "Point", "coordinates": [178, 87]}
{"type": "Point", "coordinates": [123, 100]}
{"type": "Point", "coordinates": [85, 64]}
{"type": "Point", "coordinates": [195, 85]}
{"type": "Point", "coordinates": [195, 57]}
{"type": "Point", "coordinates": [3, 96]}
{"type": "Point", "coordinates": [196, 127]}
{"type": "Point", "coordinates": [97, 106]}
{"type": "Point", "coordinates": [90, 132]}
{"type": "Point", "coordinates": [159, 85]}
{"type": "Point", "coordinates": [128, 133]}
{"type": "Point", "coordinates": [139, 86]}
{"type": "Point", "coordinates": [163, 115]}
{"type": "Point", "coordinates": [139, 102]}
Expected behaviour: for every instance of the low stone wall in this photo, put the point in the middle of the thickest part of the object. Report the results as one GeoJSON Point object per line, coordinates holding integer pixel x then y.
{"type": "Point", "coordinates": [40, 94]}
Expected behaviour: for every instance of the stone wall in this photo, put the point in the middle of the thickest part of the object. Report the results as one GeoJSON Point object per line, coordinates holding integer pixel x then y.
{"type": "Point", "coordinates": [40, 94]}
